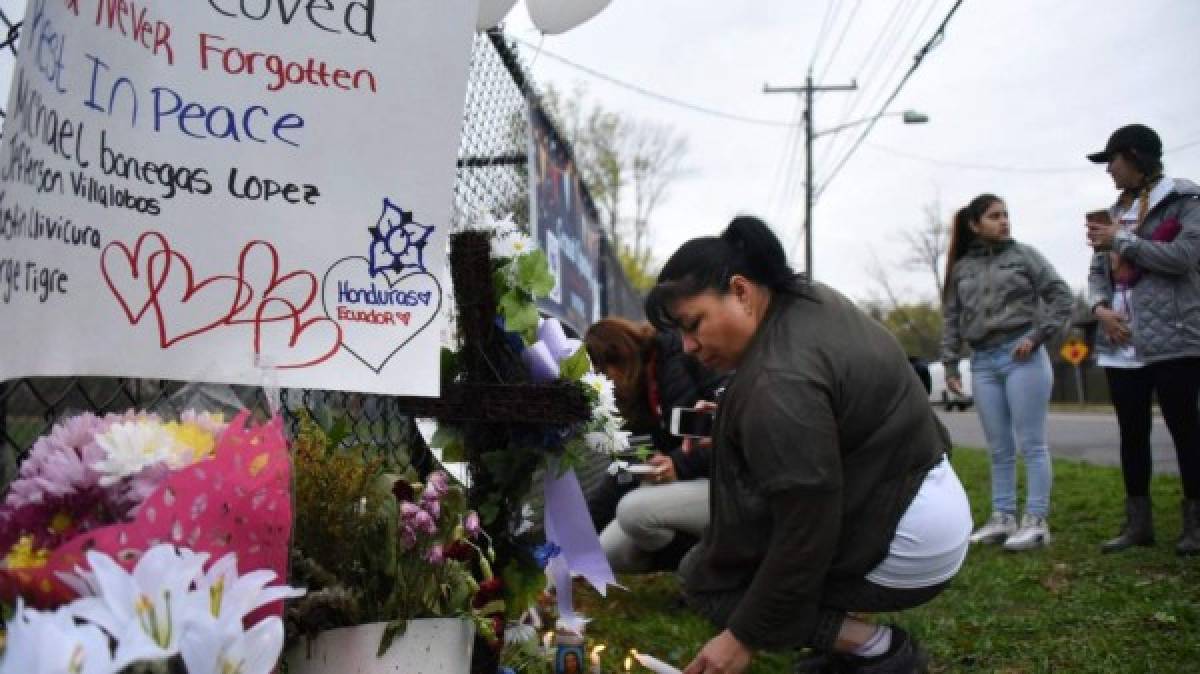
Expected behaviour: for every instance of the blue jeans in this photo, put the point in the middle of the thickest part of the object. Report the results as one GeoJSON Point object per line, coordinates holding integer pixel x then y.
{"type": "Point", "coordinates": [1013, 398]}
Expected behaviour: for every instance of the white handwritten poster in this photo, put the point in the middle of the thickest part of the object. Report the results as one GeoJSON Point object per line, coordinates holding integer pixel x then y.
{"type": "Point", "coordinates": [242, 191]}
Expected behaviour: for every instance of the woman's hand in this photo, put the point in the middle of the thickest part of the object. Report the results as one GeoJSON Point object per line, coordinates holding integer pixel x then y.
{"type": "Point", "coordinates": [1100, 235]}
{"type": "Point", "coordinates": [690, 443]}
{"type": "Point", "coordinates": [1114, 325]}
{"type": "Point", "coordinates": [1024, 349]}
{"type": "Point", "coordinates": [723, 654]}
{"type": "Point", "coordinates": [954, 384]}
{"type": "Point", "coordinates": [666, 469]}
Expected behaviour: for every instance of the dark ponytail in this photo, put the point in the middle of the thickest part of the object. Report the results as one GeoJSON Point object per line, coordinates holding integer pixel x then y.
{"type": "Point", "coordinates": [961, 235]}
{"type": "Point", "coordinates": [746, 248]}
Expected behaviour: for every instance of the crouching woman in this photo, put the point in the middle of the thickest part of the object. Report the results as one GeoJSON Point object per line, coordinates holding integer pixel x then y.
{"type": "Point", "coordinates": [830, 494]}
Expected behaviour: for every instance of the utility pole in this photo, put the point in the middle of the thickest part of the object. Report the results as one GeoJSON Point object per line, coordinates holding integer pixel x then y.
{"type": "Point", "coordinates": [808, 90]}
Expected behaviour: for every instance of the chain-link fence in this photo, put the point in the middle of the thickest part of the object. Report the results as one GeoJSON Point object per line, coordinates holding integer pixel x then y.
{"type": "Point", "coordinates": [492, 178]}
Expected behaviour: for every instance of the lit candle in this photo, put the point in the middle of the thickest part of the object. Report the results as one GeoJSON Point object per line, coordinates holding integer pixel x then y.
{"type": "Point", "coordinates": [548, 642]}
{"type": "Point", "coordinates": [654, 664]}
{"type": "Point", "coordinates": [628, 664]}
{"type": "Point", "coordinates": [595, 658]}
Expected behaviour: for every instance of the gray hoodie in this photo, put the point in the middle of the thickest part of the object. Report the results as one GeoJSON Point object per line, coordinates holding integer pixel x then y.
{"type": "Point", "coordinates": [1000, 292]}
{"type": "Point", "coordinates": [1165, 301]}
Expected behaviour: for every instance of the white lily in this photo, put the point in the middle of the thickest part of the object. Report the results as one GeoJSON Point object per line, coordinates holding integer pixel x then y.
{"type": "Point", "coordinates": [222, 647]}
{"type": "Point", "coordinates": [144, 611]}
{"type": "Point", "coordinates": [229, 597]}
{"type": "Point", "coordinates": [51, 643]}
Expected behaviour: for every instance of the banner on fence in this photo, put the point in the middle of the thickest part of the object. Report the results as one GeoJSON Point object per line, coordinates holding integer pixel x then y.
{"type": "Point", "coordinates": [565, 227]}
{"type": "Point", "coordinates": [232, 191]}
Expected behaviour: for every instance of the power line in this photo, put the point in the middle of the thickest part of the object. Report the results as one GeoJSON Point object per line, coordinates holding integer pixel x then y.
{"type": "Point", "coordinates": [998, 168]}
{"type": "Point", "coordinates": [821, 33]}
{"type": "Point", "coordinates": [938, 35]}
{"type": "Point", "coordinates": [884, 82]}
{"type": "Point", "coordinates": [837, 46]}
{"type": "Point", "coordinates": [892, 29]}
{"type": "Point", "coordinates": [663, 98]}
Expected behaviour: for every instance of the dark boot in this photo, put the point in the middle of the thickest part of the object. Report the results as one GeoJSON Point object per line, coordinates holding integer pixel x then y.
{"type": "Point", "coordinates": [904, 657]}
{"type": "Point", "coordinates": [1138, 528]}
{"type": "Point", "coordinates": [1189, 542]}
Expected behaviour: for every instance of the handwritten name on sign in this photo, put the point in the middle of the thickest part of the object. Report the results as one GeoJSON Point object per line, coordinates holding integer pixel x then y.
{"type": "Point", "coordinates": [232, 190]}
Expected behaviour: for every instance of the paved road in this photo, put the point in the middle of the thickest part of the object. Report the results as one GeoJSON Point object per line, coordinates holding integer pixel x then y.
{"type": "Point", "coordinates": [1088, 437]}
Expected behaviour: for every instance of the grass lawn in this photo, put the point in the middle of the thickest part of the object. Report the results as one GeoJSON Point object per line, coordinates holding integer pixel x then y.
{"type": "Point", "coordinates": [1063, 609]}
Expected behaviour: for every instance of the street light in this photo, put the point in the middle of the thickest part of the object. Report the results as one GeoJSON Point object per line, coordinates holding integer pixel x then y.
{"type": "Point", "coordinates": [908, 116]}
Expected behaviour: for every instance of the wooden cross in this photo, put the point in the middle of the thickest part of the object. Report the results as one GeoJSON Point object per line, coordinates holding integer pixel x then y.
{"type": "Point", "coordinates": [493, 398]}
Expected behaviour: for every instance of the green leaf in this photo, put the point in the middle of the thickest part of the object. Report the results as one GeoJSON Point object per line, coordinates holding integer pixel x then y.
{"type": "Point", "coordinates": [488, 511]}
{"type": "Point", "coordinates": [520, 314]}
{"type": "Point", "coordinates": [449, 365]}
{"type": "Point", "coordinates": [573, 368]}
{"type": "Point", "coordinates": [533, 274]}
{"type": "Point", "coordinates": [393, 631]}
{"type": "Point", "coordinates": [338, 432]}
{"type": "Point", "coordinates": [450, 439]}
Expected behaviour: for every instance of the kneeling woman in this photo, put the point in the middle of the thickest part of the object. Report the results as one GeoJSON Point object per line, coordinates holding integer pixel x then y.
{"type": "Point", "coordinates": [830, 488]}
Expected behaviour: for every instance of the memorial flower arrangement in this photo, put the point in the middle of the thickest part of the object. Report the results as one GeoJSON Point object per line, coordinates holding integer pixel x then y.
{"type": "Point", "coordinates": [170, 610]}
{"type": "Point", "coordinates": [89, 472]}
{"type": "Point", "coordinates": [106, 537]}
{"type": "Point", "coordinates": [375, 544]}
{"type": "Point", "coordinates": [507, 456]}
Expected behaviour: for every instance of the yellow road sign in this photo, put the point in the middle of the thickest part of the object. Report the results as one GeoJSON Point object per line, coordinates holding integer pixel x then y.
{"type": "Point", "coordinates": [1074, 351]}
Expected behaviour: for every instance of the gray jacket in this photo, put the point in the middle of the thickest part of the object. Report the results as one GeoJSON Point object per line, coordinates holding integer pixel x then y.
{"type": "Point", "coordinates": [1165, 301]}
{"type": "Point", "coordinates": [1000, 292]}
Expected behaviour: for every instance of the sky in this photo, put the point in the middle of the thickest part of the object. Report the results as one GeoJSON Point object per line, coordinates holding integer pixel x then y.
{"type": "Point", "coordinates": [1025, 87]}
{"type": "Point", "coordinates": [1017, 93]}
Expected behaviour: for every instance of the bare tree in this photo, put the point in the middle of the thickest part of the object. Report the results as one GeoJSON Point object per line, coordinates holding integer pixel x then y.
{"type": "Point", "coordinates": [628, 167]}
{"type": "Point", "coordinates": [917, 325]}
{"type": "Point", "coordinates": [655, 155]}
{"type": "Point", "coordinates": [927, 246]}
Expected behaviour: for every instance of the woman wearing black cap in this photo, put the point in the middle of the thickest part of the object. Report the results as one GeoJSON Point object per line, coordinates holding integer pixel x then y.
{"type": "Point", "coordinates": [1144, 284]}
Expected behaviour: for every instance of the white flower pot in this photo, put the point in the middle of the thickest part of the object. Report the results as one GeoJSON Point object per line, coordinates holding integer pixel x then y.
{"type": "Point", "coordinates": [429, 646]}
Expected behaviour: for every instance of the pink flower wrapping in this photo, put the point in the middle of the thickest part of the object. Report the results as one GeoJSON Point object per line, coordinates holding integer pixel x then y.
{"type": "Point", "coordinates": [237, 501]}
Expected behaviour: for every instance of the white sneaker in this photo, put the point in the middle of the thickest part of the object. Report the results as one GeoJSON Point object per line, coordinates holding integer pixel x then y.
{"type": "Point", "coordinates": [1034, 533]}
{"type": "Point", "coordinates": [998, 527]}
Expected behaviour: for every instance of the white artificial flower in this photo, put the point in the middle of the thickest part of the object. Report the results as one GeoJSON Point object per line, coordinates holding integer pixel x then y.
{"type": "Point", "coordinates": [223, 647]}
{"type": "Point", "coordinates": [512, 244]}
{"type": "Point", "coordinates": [132, 446]}
{"type": "Point", "coordinates": [144, 611]}
{"type": "Point", "coordinates": [51, 643]}
{"type": "Point", "coordinates": [607, 443]}
{"type": "Point", "coordinates": [519, 634]}
{"type": "Point", "coordinates": [604, 389]}
{"type": "Point", "coordinates": [230, 597]}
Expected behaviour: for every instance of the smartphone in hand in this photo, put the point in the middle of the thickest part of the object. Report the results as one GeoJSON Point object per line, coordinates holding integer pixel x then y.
{"type": "Point", "coordinates": [692, 423]}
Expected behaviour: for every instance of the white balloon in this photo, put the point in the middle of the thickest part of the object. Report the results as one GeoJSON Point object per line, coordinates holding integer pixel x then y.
{"type": "Point", "coordinates": [558, 16]}
{"type": "Point", "coordinates": [491, 12]}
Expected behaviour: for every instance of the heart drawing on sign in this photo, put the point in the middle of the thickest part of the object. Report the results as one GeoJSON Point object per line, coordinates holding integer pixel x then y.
{"type": "Point", "coordinates": [290, 294]}
{"type": "Point", "coordinates": [207, 303]}
{"type": "Point", "coordinates": [378, 315]}
{"type": "Point", "coordinates": [127, 275]}
{"type": "Point", "coordinates": [275, 337]}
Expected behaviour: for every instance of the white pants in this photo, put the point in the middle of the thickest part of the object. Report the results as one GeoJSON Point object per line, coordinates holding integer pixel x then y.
{"type": "Point", "coordinates": [931, 540]}
{"type": "Point", "coordinates": [649, 517]}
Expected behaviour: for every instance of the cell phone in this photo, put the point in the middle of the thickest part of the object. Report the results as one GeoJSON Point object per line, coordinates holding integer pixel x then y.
{"type": "Point", "coordinates": [1099, 217]}
{"type": "Point", "coordinates": [689, 423]}
{"type": "Point", "coordinates": [642, 469]}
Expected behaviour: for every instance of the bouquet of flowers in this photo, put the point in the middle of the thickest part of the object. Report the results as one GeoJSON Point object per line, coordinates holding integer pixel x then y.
{"type": "Point", "coordinates": [374, 543]}
{"type": "Point", "coordinates": [108, 529]}
{"type": "Point", "coordinates": [168, 611]}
